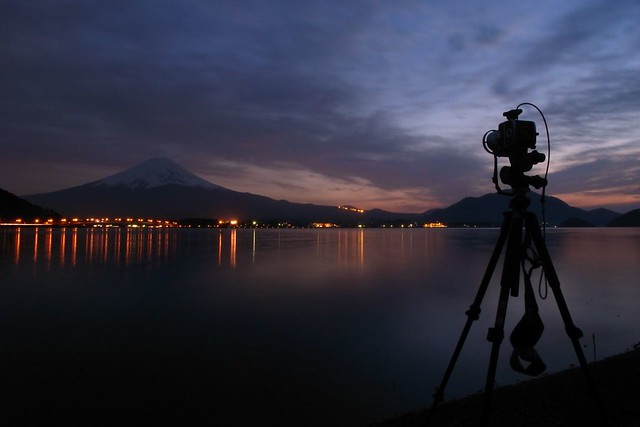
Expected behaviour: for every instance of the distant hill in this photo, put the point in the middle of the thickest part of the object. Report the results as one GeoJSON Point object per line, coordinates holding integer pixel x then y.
{"type": "Point", "coordinates": [487, 211]}
{"type": "Point", "coordinates": [13, 207]}
{"type": "Point", "coordinates": [602, 216]}
{"type": "Point", "coordinates": [630, 219]}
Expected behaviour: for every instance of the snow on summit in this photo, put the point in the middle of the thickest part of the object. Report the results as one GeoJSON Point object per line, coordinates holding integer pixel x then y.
{"type": "Point", "coordinates": [155, 173]}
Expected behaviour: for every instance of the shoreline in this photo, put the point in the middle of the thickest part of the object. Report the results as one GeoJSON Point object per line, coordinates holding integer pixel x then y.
{"type": "Point", "coordinates": [558, 399]}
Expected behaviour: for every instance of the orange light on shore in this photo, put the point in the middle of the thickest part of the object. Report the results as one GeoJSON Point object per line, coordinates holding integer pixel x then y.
{"type": "Point", "coordinates": [437, 224]}
{"type": "Point", "coordinates": [99, 222]}
{"type": "Point", "coordinates": [324, 225]}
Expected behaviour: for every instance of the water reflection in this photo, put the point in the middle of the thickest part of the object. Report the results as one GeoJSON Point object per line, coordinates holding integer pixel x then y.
{"type": "Point", "coordinates": [67, 247]}
{"type": "Point", "coordinates": [121, 247]}
{"type": "Point", "coordinates": [232, 249]}
{"type": "Point", "coordinates": [350, 249]}
{"type": "Point", "coordinates": [371, 315]}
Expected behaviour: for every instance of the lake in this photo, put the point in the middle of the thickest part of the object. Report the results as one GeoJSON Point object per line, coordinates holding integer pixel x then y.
{"type": "Point", "coordinates": [279, 326]}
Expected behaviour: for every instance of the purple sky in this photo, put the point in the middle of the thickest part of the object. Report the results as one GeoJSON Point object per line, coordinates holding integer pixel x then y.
{"type": "Point", "coordinates": [370, 103]}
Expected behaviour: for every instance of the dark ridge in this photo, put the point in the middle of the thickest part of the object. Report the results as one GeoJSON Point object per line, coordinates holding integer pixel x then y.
{"type": "Point", "coordinates": [13, 207]}
{"type": "Point", "coordinates": [630, 219]}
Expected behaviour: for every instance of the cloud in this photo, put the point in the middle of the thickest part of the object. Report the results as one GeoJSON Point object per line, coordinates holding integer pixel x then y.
{"type": "Point", "coordinates": [391, 97]}
{"type": "Point", "coordinates": [280, 180]}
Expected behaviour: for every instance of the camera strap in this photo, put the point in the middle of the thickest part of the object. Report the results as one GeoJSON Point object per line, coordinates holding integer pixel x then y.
{"type": "Point", "coordinates": [527, 333]}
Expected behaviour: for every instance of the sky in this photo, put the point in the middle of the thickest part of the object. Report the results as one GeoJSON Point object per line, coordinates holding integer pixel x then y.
{"type": "Point", "coordinates": [377, 104]}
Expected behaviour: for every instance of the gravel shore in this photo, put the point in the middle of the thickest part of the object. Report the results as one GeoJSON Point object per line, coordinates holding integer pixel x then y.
{"type": "Point", "coordinates": [560, 399]}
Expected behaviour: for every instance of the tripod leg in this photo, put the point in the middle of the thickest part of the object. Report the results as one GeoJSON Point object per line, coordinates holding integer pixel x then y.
{"type": "Point", "coordinates": [508, 285]}
{"type": "Point", "coordinates": [473, 313]}
{"type": "Point", "coordinates": [574, 333]}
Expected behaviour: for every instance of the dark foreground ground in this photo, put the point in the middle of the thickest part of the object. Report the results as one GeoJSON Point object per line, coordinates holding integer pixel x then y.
{"type": "Point", "coordinates": [146, 386]}
{"type": "Point", "coordinates": [560, 399]}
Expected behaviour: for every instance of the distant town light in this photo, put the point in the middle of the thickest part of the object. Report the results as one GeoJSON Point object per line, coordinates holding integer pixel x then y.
{"type": "Point", "coordinates": [324, 225]}
{"type": "Point", "coordinates": [351, 208]}
{"type": "Point", "coordinates": [436, 224]}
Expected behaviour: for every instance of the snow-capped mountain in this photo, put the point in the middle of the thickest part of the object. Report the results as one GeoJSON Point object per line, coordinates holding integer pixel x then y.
{"type": "Point", "coordinates": [154, 173]}
{"type": "Point", "coordinates": [159, 188]}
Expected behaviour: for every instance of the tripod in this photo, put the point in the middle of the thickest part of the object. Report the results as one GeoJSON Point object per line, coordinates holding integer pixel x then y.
{"type": "Point", "coordinates": [511, 233]}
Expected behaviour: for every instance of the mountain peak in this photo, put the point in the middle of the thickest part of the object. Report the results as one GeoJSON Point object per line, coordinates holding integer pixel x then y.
{"type": "Point", "coordinates": [154, 172]}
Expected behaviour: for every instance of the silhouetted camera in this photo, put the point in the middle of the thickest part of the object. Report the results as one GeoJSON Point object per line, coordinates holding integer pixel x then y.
{"type": "Point", "coordinates": [513, 139]}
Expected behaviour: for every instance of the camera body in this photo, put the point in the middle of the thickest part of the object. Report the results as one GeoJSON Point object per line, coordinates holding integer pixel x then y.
{"type": "Point", "coordinates": [513, 139]}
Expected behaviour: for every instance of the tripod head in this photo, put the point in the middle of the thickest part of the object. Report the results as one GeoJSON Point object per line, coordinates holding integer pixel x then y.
{"type": "Point", "coordinates": [513, 139]}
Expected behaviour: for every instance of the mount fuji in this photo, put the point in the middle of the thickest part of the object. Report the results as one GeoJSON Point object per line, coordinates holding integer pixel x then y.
{"type": "Point", "coordinates": [160, 188]}
{"type": "Point", "coordinates": [155, 173]}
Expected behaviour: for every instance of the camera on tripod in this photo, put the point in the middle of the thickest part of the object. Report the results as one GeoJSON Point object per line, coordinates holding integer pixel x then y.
{"type": "Point", "coordinates": [513, 139]}
{"type": "Point", "coordinates": [525, 251]}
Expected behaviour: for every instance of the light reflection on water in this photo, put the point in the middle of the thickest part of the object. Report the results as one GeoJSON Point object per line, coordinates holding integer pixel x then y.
{"type": "Point", "coordinates": [360, 323]}
{"type": "Point", "coordinates": [66, 247]}
{"type": "Point", "coordinates": [121, 247]}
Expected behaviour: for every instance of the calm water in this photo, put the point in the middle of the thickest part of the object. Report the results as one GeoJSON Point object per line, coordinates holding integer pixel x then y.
{"type": "Point", "coordinates": [327, 326]}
